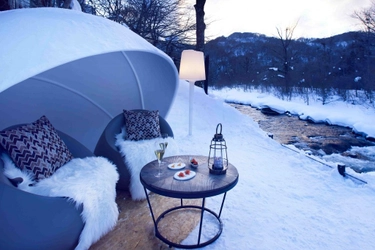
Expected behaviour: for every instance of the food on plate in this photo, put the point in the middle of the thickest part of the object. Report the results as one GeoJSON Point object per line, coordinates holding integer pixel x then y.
{"type": "Point", "coordinates": [181, 174]}
{"type": "Point", "coordinates": [193, 161]}
{"type": "Point", "coordinates": [179, 164]}
{"type": "Point", "coordinates": [172, 166]}
{"type": "Point", "coordinates": [186, 174]}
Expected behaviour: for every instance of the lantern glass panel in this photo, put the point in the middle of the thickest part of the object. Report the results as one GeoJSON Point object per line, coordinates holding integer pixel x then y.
{"type": "Point", "coordinates": [218, 156]}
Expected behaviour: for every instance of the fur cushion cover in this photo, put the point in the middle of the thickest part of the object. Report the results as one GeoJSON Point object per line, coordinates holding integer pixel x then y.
{"type": "Point", "coordinates": [137, 154]}
{"type": "Point", "coordinates": [90, 181]}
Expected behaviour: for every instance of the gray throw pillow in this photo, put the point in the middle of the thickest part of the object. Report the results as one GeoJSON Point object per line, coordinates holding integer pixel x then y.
{"type": "Point", "coordinates": [141, 124]}
{"type": "Point", "coordinates": [36, 148]}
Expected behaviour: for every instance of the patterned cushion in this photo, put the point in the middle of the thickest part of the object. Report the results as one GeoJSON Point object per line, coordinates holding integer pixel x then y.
{"type": "Point", "coordinates": [36, 148]}
{"type": "Point", "coordinates": [141, 124]}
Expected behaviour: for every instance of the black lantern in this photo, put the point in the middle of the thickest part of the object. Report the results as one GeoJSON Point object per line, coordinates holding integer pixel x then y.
{"type": "Point", "coordinates": [218, 156]}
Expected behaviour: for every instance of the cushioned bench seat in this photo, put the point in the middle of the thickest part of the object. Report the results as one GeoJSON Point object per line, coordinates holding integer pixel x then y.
{"type": "Point", "coordinates": [106, 147]}
{"type": "Point", "coordinates": [30, 221]}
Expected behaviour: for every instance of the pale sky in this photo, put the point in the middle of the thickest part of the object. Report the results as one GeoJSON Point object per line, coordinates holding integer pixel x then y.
{"type": "Point", "coordinates": [316, 18]}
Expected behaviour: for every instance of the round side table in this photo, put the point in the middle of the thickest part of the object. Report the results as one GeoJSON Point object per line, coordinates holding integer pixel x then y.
{"type": "Point", "coordinates": [201, 186]}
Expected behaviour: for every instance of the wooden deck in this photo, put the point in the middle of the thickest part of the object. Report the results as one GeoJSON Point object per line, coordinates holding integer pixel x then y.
{"type": "Point", "coordinates": [135, 228]}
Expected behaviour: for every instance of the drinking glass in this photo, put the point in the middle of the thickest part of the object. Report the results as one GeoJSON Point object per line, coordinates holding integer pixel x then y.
{"type": "Point", "coordinates": [159, 155]}
{"type": "Point", "coordinates": [163, 144]}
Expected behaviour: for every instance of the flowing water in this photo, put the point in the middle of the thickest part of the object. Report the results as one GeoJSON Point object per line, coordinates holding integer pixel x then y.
{"type": "Point", "coordinates": [330, 142]}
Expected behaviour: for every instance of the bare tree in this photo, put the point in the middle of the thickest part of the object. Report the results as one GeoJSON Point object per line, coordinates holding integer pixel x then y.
{"type": "Point", "coordinates": [13, 4]}
{"type": "Point", "coordinates": [17, 4]}
{"type": "Point", "coordinates": [286, 56]}
{"type": "Point", "coordinates": [367, 19]}
{"type": "Point", "coordinates": [4, 5]}
{"type": "Point", "coordinates": [164, 23]}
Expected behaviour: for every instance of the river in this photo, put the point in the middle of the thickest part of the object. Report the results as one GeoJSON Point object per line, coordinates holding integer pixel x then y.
{"type": "Point", "coordinates": [329, 142]}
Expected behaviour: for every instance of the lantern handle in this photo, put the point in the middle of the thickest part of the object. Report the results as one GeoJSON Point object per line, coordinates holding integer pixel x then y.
{"type": "Point", "coordinates": [217, 127]}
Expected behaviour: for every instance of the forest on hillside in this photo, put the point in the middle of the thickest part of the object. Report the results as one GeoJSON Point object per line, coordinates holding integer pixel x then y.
{"type": "Point", "coordinates": [329, 66]}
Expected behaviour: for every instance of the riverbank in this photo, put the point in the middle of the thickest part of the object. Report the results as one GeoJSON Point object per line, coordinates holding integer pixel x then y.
{"type": "Point", "coordinates": [360, 118]}
{"type": "Point", "coordinates": [331, 142]}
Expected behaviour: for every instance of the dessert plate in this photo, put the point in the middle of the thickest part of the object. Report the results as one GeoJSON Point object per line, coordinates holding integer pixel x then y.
{"type": "Point", "coordinates": [176, 165]}
{"type": "Point", "coordinates": [183, 176]}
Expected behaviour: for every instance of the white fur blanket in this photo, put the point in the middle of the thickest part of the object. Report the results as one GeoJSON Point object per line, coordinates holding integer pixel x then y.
{"type": "Point", "coordinates": [136, 154]}
{"type": "Point", "coordinates": [90, 181]}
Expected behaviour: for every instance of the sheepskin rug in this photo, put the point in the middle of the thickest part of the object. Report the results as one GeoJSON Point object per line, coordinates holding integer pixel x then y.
{"type": "Point", "coordinates": [90, 181]}
{"type": "Point", "coordinates": [137, 154]}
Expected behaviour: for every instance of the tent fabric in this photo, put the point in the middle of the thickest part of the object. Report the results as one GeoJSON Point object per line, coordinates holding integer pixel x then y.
{"type": "Point", "coordinates": [79, 70]}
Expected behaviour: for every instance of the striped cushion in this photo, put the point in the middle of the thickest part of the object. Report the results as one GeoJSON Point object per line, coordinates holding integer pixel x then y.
{"type": "Point", "coordinates": [36, 148]}
{"type": "Point", "coordinates": [141, 124]}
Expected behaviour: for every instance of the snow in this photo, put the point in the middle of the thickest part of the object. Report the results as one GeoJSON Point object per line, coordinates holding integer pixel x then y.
{"type": "Point", "coordinates": [284, 199]}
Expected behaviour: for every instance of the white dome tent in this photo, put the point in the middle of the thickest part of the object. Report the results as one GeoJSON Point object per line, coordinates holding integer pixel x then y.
{"type": "Point", "coordinates": [79, 70]}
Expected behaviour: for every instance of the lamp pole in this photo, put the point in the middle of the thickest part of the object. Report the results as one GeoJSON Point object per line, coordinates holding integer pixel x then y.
{"type": "Point", "coordinates": [191, 97]}
{"type": "Point", "coordinates": [192, 69]}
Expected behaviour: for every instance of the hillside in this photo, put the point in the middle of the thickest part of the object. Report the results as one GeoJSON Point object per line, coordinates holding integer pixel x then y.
{"type": "Point", "coordinates": [343, 61]}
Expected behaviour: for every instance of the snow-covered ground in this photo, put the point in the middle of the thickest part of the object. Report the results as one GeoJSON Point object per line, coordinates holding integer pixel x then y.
{"type": "Point", "coordinates": [358, 117]}
{"type": "Point", "coordinates": [283, 200]}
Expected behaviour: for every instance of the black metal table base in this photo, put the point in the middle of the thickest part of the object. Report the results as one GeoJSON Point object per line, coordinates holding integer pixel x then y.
{"type": "Point", "coordinates": [202, 209]}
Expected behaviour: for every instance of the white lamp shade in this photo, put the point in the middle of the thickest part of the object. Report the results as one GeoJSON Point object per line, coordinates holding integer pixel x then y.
{"type": "Point", "coordinates": [192, 66]}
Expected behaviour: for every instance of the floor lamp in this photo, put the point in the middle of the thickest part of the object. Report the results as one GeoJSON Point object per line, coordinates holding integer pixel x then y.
{"type": "Point", "coordinates": [192, 70]}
